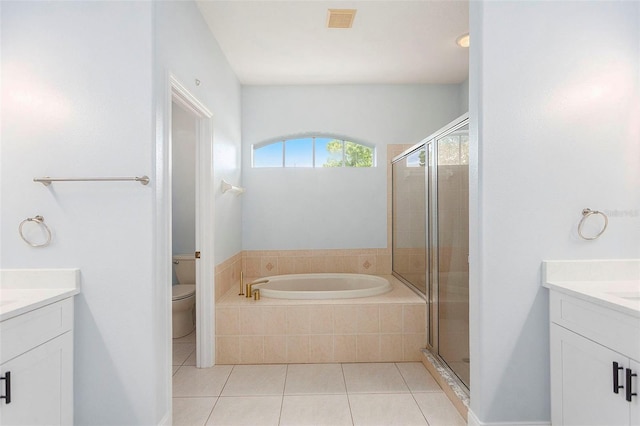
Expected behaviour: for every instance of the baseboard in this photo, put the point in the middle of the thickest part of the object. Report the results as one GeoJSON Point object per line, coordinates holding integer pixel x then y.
{"type": "Point", "coordinates": [166, 420]}
{"type": "Point", "coordinates": [472, 420]}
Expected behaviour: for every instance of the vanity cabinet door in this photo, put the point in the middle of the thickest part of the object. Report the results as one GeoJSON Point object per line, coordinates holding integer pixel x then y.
{"type": "Point", "coordinates": [634, 405]}
{"type": "Point", "coordinates": [582, 382]}
{"type": "Point", "coordinates": [41, 385]}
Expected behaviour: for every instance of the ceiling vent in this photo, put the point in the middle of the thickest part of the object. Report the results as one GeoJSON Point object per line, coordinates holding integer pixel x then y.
{"type": "Point", "coordinates": [340, 18]}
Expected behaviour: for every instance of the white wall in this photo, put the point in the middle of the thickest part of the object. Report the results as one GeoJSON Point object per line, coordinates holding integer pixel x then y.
{"type": "Point", "coordinates": [76, 101]}
{"type": "Point", "coordinates": [555, 113]}
{"type": "Point", "coordinates": [331, 208]}
{"type": "Point", "coordinates": [186, 48]}
{"type": "Point", "coordinates": [183, 180]}
{"type": "Point", "coordinates": [82, 96]}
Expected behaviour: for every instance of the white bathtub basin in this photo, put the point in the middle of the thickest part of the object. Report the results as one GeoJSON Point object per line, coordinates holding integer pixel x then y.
{"type": "Point", "coordinates": [323, 286]}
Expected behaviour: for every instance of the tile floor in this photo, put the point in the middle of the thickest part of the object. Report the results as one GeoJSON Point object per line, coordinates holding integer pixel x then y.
{"type": "Point", "coordinates": [306, 394]}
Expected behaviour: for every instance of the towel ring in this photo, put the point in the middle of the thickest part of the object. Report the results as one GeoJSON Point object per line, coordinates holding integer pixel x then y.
{"type": "Point", "coordinates": [587, 213]}
{"type": "Point", "coordinates": [40, 221]}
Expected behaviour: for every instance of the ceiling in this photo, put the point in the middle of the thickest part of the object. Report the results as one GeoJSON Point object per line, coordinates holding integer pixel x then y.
{"type": "Point", "coordinates": [391, 42]}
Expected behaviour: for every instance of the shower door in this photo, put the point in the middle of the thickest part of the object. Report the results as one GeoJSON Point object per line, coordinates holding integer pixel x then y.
{"type": "Point", "coordinates": [430, 232]}
{"type": "Point", "coordinates": [452, 241]}
{"type": "Point", "coordinates": [409, 230]}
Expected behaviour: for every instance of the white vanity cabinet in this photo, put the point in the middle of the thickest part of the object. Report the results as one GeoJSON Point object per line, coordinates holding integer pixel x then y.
{"type": "Point", "coordinates": [36, 355]}
{"type": "Point", "coordinates": [593, 351]}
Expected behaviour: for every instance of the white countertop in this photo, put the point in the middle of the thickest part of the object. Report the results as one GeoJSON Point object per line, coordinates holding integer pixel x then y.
{"type": "Point", "coordinates": [23, 290]}
{"type": "Point", "coordinates": [614, 284]}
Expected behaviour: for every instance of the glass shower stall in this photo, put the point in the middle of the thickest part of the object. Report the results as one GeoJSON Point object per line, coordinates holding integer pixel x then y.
{"type": "Point", "coordinates": [430, 234]}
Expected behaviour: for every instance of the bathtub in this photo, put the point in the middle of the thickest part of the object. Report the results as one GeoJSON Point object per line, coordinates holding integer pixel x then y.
{"type": "Point", "coordinates": [323, 286]}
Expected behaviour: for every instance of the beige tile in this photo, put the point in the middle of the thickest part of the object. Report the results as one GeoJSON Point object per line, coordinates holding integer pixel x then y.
{"type": "Point", "coordinates": [383, 264]}
{"type": "Point", "coordinates": [318, 264]}
{"type": "Point", "coordinates": [286, 265]}
{"type": "Point", "coordinates": [254, 380]}
{"type": "Point", "coordinates": [309, 379]}
{"type": "Point", "coordinates": [321, 319]}
{"type": "Point", "coordinates": [268, 266]}
{"type": "Point", "coordinates": [192, 359]}
{"type": "Point", "coordinates": [417, 377]}
{"type": "Point", "coordinates": [388, 409]}
{"type": "Point", "coordinates": [297, 319]}
{"type": "Point", "coordinates": [251, 349]}
{"type": "Point", "coordinates": [368, 319]}
{"type": "Point", "coordinates": [252, 267]}
{"type": "Point", "coordinates": [390, 318]}
{"type": "Point", "coordinates": [411, 346]}
{"type": "Point", "coordinates": [298, 348]}
{"type": "Point", "coordinates": [192, 411]}
{"type": "Point", "coordinates": [174, 368]}
{"type": "Point", "coordinates": [391, 347]}
{"type": "Point", "coordinates": [301, 265]}
{"type": "Point", "coordinates": [227, 321]}
{"type": "Point", "coordinates": [254, 410]}
{"type": "Point", "coordinates": [192, 381]}
{"type": "Point", "coordinates": [275, 349]}
{"type": "Point", "coordinates": [345, 319]}
{"type": "Point", "coordinates": [373, 378]}
{"type": "Point", "coordinates": [368, 348]}
{"type": "Point", "coordinates": [275, 320]}
{"type": "Point", "coordinates": [181, 352]}
{"type": "Point", "coordinates": [414, 318]}
{"type": "Point", "coordinates": [367, 264]}
{"type": "Point", "coordinates": [227, 350]}
{"type": "Point", "coordinates": [326, 410]}
{"type": "Point", "coordinates": [251, 321]}
{"type": "Point", "coordinates": [321, 348]}
{"type": "Point", "coordinates": [438, 410]}
{"type": "Point", "coordinates": [344, 347]}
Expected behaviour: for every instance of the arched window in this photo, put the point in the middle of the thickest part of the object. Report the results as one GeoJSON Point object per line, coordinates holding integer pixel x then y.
{"type": "Point", "coordinates": [312, 151]}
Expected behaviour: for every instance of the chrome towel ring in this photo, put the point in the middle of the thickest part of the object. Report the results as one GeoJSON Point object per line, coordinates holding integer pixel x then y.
{"type": "Point", "coordinates": [586, 213]}
{"type": "Point", "coordinates": [40, 221]}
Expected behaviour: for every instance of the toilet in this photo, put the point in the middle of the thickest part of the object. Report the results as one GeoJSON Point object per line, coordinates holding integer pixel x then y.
{"type": "Point", "coordinates": [183, 295]}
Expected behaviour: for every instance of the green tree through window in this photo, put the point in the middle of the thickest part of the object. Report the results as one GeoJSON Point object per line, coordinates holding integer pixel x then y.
{"type": "Point", "coordinates": [355, 155]}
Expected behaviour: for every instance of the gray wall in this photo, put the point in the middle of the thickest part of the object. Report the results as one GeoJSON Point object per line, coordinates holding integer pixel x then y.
{"type": "Point", "coordinates": [331, 208]}
{"type": "Point", "coordinates": [555, 129]}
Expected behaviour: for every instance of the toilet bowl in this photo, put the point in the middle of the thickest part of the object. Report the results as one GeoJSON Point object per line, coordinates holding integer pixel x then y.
{"type": "Point", "coordinates": [183, 296]}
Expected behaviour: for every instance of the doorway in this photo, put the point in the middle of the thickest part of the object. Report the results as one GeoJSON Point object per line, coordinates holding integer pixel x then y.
{"type": "Point", "coordinates": [194, 120]}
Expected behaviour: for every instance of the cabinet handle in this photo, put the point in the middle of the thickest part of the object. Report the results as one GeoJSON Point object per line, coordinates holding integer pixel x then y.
{"type": "Point", "coordinates": [629, 375]}
{"type": "Point", "coordinates": [616, 384]}
{"type": "Point", "coordinates": [7, 387]}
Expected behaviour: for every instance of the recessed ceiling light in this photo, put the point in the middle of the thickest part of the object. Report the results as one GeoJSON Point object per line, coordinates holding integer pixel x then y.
{"type": "Point", "coordinates": [463, 40]}
{"type": "Point", "coordinates": [340, 18]}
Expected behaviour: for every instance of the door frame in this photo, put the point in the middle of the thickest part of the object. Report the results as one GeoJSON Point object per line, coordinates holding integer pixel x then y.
{"type": "Point", "coordinates": [204, 220]}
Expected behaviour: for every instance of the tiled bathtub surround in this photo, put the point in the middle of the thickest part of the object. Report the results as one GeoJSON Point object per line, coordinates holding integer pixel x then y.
{"type": "Point", "coordinates": [227, 275]}
{"type": "Point", "coordinates": [389, 327]}
{"type": "Point", "coordinates": [262, 263]}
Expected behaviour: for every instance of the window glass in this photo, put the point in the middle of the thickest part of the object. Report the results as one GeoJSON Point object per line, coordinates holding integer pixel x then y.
{"type": "Point", "coordinates": [356, 155]}
{"type": "Point", "coordinates": [268, 155]}
{"type": "Point", "coordinates": [298, 153]}
{"type": "Point", "coordinates": [313, 151]}
{"type": "Point", "coordinates": [334, 152]}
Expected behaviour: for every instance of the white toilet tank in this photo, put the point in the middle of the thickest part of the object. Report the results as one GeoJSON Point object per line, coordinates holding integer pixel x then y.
{"type": "Point", "coordinates": [185, 267]}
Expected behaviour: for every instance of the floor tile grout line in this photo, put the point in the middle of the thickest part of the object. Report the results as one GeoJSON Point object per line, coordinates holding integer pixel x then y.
{"type": "Point", "coordinates": [344, 380]}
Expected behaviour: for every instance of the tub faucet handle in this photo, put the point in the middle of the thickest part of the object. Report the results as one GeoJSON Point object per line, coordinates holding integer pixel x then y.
{"type": "Point", "coordinates": [256, 294]}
